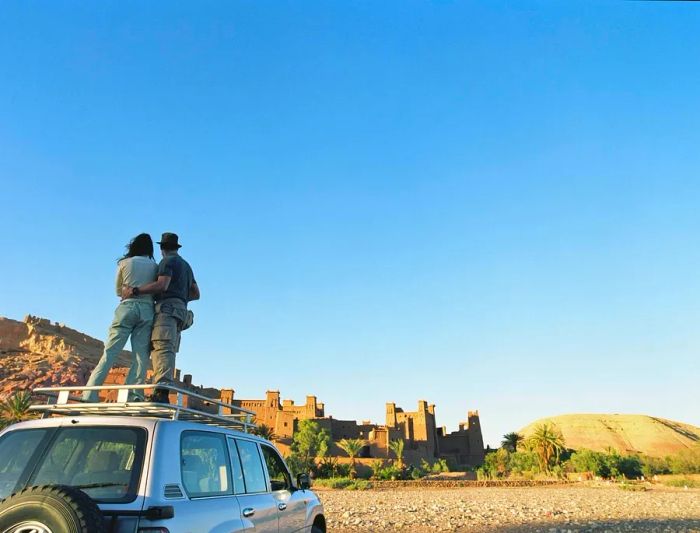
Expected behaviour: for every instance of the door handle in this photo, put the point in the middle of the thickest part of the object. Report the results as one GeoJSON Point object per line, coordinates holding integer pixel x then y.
{"type": "Point", "coordinates": [248, 512]}
{"type": "Point", "coordinates": [281, 506]}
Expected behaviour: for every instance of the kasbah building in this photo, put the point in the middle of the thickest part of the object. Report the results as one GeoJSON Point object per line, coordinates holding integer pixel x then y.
{"type": "Point", "coordinates": [423, 438]}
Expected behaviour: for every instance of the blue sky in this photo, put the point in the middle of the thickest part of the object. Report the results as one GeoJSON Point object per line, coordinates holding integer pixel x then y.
{"type": "Point", "coordinates": [487, 205]}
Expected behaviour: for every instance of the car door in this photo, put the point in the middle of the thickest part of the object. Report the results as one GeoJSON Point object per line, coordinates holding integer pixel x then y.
{"type": "Point", "coordinates": [291, 503]}
{"type": "Point", "coordinates": [258, 505]}
{"type": "Point", "coordinates": [207, 480]}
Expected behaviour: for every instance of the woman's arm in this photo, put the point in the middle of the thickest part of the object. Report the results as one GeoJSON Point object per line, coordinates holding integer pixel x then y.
{"type": "Point", "coordinates": [120, 279]}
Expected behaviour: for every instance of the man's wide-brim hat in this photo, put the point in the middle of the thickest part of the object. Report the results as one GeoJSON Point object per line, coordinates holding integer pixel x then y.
{"type": "Point", "coordinates": [169, 240]}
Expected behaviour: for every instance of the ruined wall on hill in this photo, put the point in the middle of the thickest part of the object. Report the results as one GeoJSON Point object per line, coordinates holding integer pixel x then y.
{"type": "Point", "coordinates": [35, 352]}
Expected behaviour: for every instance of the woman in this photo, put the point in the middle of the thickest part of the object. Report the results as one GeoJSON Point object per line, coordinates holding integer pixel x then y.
{"type": "Point", "coordinates": [132, 318]}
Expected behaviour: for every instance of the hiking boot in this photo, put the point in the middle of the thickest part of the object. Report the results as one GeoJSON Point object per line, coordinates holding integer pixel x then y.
{"type": "Point", "coordinates": [159, 396]}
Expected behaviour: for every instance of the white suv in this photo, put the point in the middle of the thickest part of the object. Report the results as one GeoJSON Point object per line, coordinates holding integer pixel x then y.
{"type": "Point", "coordinates": [147, 470]}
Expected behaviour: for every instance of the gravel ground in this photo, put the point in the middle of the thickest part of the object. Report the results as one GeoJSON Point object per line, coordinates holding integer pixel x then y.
{"type": "Point", "coordinates": [550, 509]}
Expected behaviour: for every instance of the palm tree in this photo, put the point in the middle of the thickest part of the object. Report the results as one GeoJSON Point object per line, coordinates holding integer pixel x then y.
{"type": "Point", "coordinates": [397, 446]}
{"type": "Point", "coordinates": [264, 431]}
{"type": "Point", "coordinates": [352, 447]}
{"type": "Point", "coordinates": [548, 442]}
{"type": "Point", "coordinates": [15, 408]}
{"type": "Point", "coordinates": [511, 441]}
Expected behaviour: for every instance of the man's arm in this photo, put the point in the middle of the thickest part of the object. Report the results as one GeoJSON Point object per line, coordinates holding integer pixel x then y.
{"type": "Point", "coordinates": [194, 292]}
{"type": "Point", "coordinates": [155, 287]}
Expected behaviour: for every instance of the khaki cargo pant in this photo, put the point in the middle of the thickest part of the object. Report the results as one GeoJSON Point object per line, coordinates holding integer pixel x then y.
{"type": "Point", "coordinates": [165, 339]}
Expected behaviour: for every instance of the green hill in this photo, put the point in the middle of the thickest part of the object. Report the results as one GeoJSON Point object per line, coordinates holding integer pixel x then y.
{"type": "Point", "coordinates": [656, 437]}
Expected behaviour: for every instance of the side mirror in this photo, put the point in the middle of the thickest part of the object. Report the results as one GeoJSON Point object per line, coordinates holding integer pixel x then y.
{"type": "Point", "coordinates": [303, 481]}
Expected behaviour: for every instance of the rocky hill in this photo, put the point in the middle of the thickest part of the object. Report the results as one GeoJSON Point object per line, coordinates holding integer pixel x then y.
{"type": "Point", "coordinates": [656, 437]}
{"type": "Point", "coordinates": [35, 352]}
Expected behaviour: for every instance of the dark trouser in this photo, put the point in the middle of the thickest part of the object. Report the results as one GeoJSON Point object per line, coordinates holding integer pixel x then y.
{"type": "Point", "coordinates": [167, 325]}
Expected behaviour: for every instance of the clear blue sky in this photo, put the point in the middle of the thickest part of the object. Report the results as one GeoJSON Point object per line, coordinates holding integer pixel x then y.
{"type": "Point", "coordinates": [488, 205]}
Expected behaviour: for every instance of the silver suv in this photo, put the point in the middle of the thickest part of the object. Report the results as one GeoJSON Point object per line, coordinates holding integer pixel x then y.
{"type": "Point", "coordinates": [147, 468]}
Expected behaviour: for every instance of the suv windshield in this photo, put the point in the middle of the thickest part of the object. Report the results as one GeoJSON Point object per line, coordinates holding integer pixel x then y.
{"type": "Point", "coordinates": [103, 461]}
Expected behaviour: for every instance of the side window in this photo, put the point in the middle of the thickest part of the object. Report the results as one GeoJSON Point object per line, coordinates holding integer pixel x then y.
{"type": "Point", "coordinates": [204, 464]}
{"type": "Point", "coordinates": [279, 476]}
{"type": "Point", "coordinates": [103, 461]}
{"type": "Point", "coordinates": [253, 473]}
{"type": "Point", "coordinates": [16, 449]}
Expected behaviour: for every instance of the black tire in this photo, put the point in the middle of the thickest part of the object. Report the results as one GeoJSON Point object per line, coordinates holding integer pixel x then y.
{"type": "Point", "coordinates": [319, 525]}
{"type": "Point", "coordinates": [60, 509]}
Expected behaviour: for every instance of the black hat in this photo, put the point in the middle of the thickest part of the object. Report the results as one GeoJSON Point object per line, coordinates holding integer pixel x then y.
{"type": "Point", "coordinates": [169, 241]}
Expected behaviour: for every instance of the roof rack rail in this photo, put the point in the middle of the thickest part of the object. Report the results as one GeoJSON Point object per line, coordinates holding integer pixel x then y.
{"type": "Point", "coordinates": [62, 402]}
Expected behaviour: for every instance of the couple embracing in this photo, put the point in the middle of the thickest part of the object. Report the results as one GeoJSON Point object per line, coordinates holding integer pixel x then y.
{"type": "Point", "coordinates": [153, 312]}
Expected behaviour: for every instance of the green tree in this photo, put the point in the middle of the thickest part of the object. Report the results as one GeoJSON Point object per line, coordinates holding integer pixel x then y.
{"type": "Point", "coordinates": [352, 447]}
{"type": "Point", "coordinates": [496, 464]}
{"type": "Point", "coordinates": [265, 431]}
{"type": "Point", "coordinates": [511, 441]}
{"type": "Point", "coordinates": [397, 447]}
{"type": "Point", "coordinates": [15, 408]}
{"type": "Point", "coordinates": [652, 466]}
{"type": "Point", "coordinates": [585, 460]}
{"type": "Point", "coordinates": [309, 442]}
{"type": "Point", "coordinates": [523, 462]}
{"type": "Point", "coordinates": [548, 443]}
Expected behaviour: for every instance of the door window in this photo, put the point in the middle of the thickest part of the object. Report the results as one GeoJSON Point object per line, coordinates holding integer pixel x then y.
{"type": "Point", "coordinates": [204, 464]}
{"type": "Point", "coordinates": [279, 476]}
{"type": "Point", "coordinates": [253, 474]}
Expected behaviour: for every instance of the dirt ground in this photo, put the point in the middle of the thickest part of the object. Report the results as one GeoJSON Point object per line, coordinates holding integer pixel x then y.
{"type": "Point", "coordinates": [571, 508]}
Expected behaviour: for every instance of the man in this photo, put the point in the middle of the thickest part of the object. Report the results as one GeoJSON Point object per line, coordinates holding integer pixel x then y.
{"type": "Point", "coordinates": [174, 287]}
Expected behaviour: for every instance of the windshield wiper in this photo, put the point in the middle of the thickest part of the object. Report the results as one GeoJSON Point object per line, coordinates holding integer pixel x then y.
{"type": "Point", "coordinates": [98, 485]}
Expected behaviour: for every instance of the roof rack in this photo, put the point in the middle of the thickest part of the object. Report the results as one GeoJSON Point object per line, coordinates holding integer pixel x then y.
{"type": "Point", "coordinates": [62, 402]}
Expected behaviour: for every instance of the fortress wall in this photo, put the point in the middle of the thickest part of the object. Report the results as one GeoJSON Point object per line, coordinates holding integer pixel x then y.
{"type": "Point", "coordinates": [12, 334]}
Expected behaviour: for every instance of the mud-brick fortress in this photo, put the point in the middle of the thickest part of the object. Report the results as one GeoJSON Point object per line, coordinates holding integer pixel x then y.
{"type": "Point", "coordinates": [423, 438]}
{"type": "Point", "coordinates": [37, 353]}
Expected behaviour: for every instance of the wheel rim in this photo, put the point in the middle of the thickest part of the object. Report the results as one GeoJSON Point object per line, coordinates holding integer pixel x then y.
{"type": "Point", "coordinates": [29, 527]}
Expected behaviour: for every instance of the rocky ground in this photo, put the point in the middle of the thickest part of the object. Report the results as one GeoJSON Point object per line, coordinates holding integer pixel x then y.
{"type": "Point", "coordinates": [488, 509]}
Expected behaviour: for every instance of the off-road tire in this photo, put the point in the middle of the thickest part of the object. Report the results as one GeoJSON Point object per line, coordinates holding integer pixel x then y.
{"type": "Point", "coordinates": [60, 508]}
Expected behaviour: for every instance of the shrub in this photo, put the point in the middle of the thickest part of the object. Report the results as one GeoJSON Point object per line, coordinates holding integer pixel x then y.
{"type": "Point", "coordinates": [606, 465]}
{"type": "Point", "coordinates": [359, 484]}
{"type": "Point", "coordinates": [686, 462]}
{"type": "Point", "coordinates": [629, 466]}
{"type": "Point", "coordinates": [652, 466]}
{"type": "Point", "coordinates": [682, 483]}
{"type": "Point", "coordinates": [333, 483]}
{"type": "Point", "coordinates": [634, 487]}
{"type": "Point", "coordinates": [389, 473]}
{"type": "Point", "coordinates": [329, 467]}
{"type": "Point", "coordinates": [344, 483]}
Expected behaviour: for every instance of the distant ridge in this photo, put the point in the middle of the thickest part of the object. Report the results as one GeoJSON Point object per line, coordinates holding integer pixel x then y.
{"type": "Point", "coordinates": [643, 434]}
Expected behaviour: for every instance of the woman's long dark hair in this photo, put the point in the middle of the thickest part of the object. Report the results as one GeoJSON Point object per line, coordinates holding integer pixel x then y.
{"type": "Point", "coordinates": [142, 244]}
